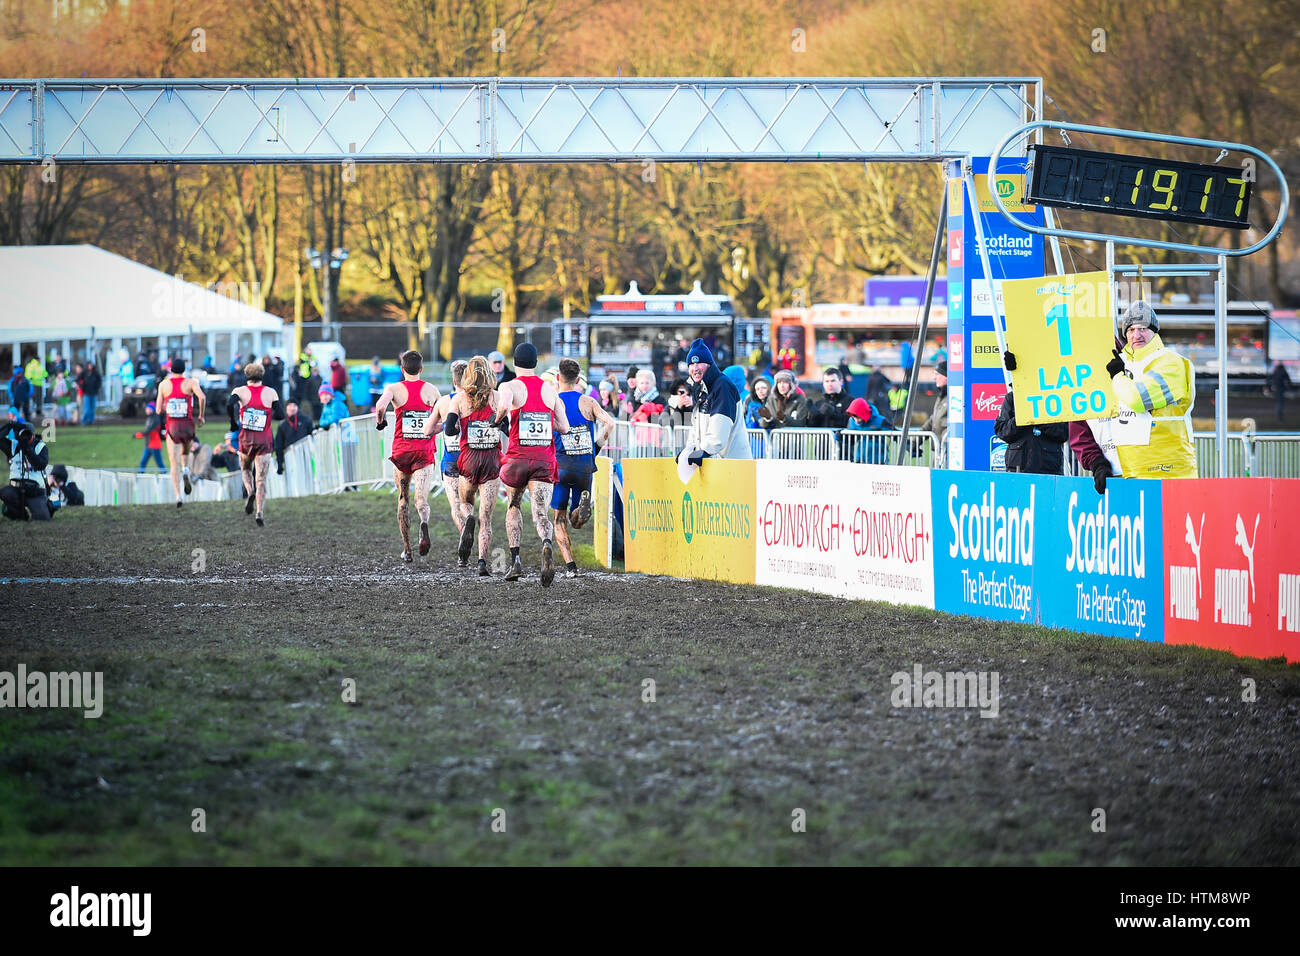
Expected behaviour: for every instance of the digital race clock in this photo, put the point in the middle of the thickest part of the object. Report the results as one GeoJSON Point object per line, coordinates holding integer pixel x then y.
{"type": "Point", "coordinates": [1138, 186]}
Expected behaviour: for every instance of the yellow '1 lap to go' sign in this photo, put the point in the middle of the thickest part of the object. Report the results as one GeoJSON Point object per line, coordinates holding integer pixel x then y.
{"type": "Point", "coordinates": [1061, 330]}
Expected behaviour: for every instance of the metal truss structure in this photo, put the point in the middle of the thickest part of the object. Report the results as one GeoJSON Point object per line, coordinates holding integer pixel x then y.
{"type": "Point", "coordinates": [509, 120]}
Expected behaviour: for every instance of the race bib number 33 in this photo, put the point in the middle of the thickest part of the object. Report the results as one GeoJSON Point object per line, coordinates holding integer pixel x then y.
{"type": "Point", "coordinates": [535, 429]}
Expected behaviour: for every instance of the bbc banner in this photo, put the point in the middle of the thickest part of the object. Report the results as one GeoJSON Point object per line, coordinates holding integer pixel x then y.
{"type": "Point", "coordinates": [854, 531]}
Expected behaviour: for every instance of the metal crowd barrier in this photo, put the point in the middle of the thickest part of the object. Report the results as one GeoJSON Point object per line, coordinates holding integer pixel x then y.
{"type": "Point", "coordinates": [1260, 456]}
{"type": "Point", "coordinates": [637, 440]}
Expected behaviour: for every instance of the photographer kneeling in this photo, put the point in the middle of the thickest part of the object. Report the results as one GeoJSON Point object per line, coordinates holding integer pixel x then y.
{"type": "Point", "coordinates": [24, 496]}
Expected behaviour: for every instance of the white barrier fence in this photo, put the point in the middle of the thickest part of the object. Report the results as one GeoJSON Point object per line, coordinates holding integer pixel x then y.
{"type": "Point", "coordinates": [640, 440]}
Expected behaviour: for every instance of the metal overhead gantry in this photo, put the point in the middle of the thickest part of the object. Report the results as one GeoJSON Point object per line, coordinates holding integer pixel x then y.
{"type": "Point", "coordinates": [509, 120]}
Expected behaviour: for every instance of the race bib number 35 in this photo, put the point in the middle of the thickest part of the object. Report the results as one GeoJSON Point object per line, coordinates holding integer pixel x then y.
{"type": "Point", "coordinates": [483, 436]}
{"type": "Point", "coordinates": [535, 429]}
{"type": "Point", "coordinates": [178, 408]}
{"type": "Point", "coordinates": [413, 423]}
{"type": "Point", "coordinates": [254, 419]}
{"type": "Point", "coordinates": [577, 442]}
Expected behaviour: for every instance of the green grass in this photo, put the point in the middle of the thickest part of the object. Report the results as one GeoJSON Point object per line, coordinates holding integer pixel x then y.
{"type": "Point", "coordinates": [112, 446]}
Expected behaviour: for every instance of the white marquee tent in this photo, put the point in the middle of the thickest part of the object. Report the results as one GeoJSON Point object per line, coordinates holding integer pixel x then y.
{"type": "Point", "coordinates": [87, 302]}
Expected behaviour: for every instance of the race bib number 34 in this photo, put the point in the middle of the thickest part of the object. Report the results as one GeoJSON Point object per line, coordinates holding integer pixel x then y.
{"type": "Point", "coordinates": [535, 429]}
{"type": "Point", "coordinates": [483, 436]}
{"type": "Point", "coordinates": [254, 419]}
{"type": "Point", "coordinates": [178, 408]}
{"type": "Point", "coordinates": [413, 423]}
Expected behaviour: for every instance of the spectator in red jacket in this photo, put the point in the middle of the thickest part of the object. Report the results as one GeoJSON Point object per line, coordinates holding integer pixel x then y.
{"type": "Point", "coordinates": [152, 435]}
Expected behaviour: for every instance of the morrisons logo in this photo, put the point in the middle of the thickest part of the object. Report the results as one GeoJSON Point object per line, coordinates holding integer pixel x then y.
{"type": "Point", "coordinates": [716, 519]}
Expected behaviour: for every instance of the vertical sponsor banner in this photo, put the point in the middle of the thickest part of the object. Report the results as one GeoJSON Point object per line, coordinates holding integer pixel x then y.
{"type": "Point", "coordinates": [854, 531]}
{"type": "Point", "coordinates": [1222, 586]}
{"type": "Point", "coordinates": [985, 542]}
{"type": "Point", "coordinates": [1099, 567]}
{"type": "Point", "coordinates": [602, 507]}
{"type": "Point", "coordinates": [704, 529]}
{"type": "Point", "coordinates": [1281, 563]}
{"type": "Point", "coordinates": [957, 205]}
{"type": "Point", "coordinates": [1013, 254]}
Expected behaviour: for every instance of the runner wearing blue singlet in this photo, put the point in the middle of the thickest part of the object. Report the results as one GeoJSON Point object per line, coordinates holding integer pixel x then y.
{"type": "Point", "coordinates": [575, 458]}
{"type": "Point", "coordinates": [450, 443]}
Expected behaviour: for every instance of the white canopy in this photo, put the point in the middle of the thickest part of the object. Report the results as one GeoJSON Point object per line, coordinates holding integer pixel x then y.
{"type": "Point", "coordinates": [51, 293]}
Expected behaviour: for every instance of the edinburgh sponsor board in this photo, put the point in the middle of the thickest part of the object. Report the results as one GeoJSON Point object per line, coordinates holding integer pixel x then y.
{"type": "Point", "coordinates": [1098, 568]}
{"type": "Point", "coordinates": [701, 530]}
{"type": "Point", "coordinates": [985, 543]}
{"type": "Point", "coordinates": [855, 531]}
{"type": "Point", "coordinates": [1232, 574]}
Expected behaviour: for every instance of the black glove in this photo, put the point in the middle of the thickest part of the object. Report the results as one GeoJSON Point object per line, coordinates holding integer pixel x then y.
{"type": "Point", "coordinates": [382, 423]}
{"type": "Point", "coordinates": [503, 425]}
{"type": "Point", "coordinates": [279, 468]}
{"type": "Point", "coordinates": [1100, 472]}
{"type": "Point", "coordinates": [697, 459]}
{"type": "Point", "coordinates": [1116, 365]}
{"type": "Point", "coordinates": [1009, 360]}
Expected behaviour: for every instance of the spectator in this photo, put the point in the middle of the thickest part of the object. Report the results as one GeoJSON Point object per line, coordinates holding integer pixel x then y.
{"type": "Point", "coordinates": [60, 492]}
{"type": "Point", "coordinates": [375, 381]}
{"type": "Point", "coordinates": [273, 373]}
{"type": "Point", "coordinates": [1032, 449]}
{"type": "Point", "coordinates": [846, 375]}
{"type": "Point", "coordinates": [208, 365]}
{"type": "Point", "coordinates": [717, 426]}
{"type": "Point", "coordinates": [200, 461]}
{"type": "Point", "coordinates": [152, 435]}
{"type": "Point", "coordinates": [498, 363]}
{"type": "Point", "coordinates": [20, 393]}
{"type": "Point", "coordinates": [756, 401]}
{"type": "Point", "coordinates": [1278, 383]}
{"type": "Point", "coordinates": [312, 394]}
{"type": "Point", "coordinates": [1086, 441]}
{"type": "Point", "coordinates": [1158, 386]}
{"type": "Point", "coordinates": [897, 402]}
{"type": "Point", "coordinates": [89, 381]}
{"type": "Point", "coordinates": [938, 420]}
{"type": "Point", "coordinates": [631, 380]}
{"type": "Point", "coordinates": [335, 407]}
{"type": "Point", "coordinates": [878, 388]}
{"type": "Point", "coordinates": [236, 377]}
{"type": "Point", "coordinates": [867, 449]}
{"type": "Point", "coordinates": [295, 427]}
{"type": "Point", "coordinates": [644, 389]}
{"type": "Point", "coordinates": [125, 371]}
{"type": "Point", "coordinates": [142, 366]}
{"type": "Point", "coordinates": [339, 378]}
{"type": "Point", "coordinates": [608, 397]}
{"type": "Point", "coordinates": [62, 396]}
{"type": "Point", "coordinates": [56, 364]}
{"type": "Point", "coordinates": [786, 407]}
{"type": "Point", "coordinates": [681, 404]}
{"type": "Point", "coordinates": [833, 410]}
{"type": "Point", "coordinates": [737, 376]}
{"type": "Point", "coordinates": [226, 454]}
{"type": "Point", "coordinates": [24, 497]}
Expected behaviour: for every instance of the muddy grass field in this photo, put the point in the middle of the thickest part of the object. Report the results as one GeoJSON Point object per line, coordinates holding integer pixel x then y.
{"type": "Point", "coordinates": [476, 699]}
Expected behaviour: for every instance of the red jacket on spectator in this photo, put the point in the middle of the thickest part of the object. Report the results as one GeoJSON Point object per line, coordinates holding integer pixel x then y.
{"type": "Point", "coordinates": [338, 376]}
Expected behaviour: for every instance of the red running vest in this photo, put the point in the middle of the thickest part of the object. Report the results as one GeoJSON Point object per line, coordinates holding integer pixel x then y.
{"type": "Point", "coordinates": [531, 432]}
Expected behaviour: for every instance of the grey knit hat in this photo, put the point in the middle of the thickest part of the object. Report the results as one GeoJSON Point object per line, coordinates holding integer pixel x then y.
{"type": "Point", "coordinates": [1140, 314]}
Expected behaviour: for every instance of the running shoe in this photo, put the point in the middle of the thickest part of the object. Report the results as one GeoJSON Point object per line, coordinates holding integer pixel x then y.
{"type": "Point", "coordinates": [548, 564]}
{"type": "Point", "coordinates": [582, 514]}
{"type": "Point", "coordinates": [188, 486]}
{"type": "Point", "coordinates": [179, 502]}
{"type": "Point", "coordinates": [466, 541]}
{"type": "Point", "coordinates": [483, 571]}
{"type": "Point", "coordinates": [406, 556]}
{"type": "Point", "coordinates": [260, 524]}
{"type": "Point", "coordinates": [424, 537]}
{"type": "Point", "coordinates": [249, 504]}
{"type": "Point", "coordinates": [570, 573]}
{"type": "Point", "coordinates": [516, 571]}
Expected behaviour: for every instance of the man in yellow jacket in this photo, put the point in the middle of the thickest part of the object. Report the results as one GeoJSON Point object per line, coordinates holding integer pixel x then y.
{"type": "Point", "coordinates": [36, 374]}
{"type": "Point", "coordinates": [1155, 388]}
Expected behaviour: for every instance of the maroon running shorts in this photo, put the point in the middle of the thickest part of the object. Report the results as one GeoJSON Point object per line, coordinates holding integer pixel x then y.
{"type": "Point", "coordinates": [518, 472]}
{"type": "Point", "coordinates": [180, 430]}
{"type": "Point", "coordinates": [479, 466]}
{"type": "Point", "coordinates": [410, 461]}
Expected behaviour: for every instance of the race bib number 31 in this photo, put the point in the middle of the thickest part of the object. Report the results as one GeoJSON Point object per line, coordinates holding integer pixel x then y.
{"type": "Point", "coordinates": [254, 419]}
{"type": "Point", "coordinates": [413, 423]}
{"type": "Point", "coordinates": [535, 429]}
{"type": "Point", "coordinates": [178, 408]}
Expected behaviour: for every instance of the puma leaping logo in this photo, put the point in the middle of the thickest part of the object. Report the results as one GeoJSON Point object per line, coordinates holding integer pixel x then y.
{"type": "Point", "coordinates": [1248, 549]}
{"type": "Point", "coordinates": [1194, 542]}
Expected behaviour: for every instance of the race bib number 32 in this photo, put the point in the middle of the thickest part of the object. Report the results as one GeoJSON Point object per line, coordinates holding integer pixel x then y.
{"type": "Point", "coordinates": [178, 408]}
{"type": "Point", "coordinates": [535, 429]}
{"type": "Point", "coordinates": [254, 419]}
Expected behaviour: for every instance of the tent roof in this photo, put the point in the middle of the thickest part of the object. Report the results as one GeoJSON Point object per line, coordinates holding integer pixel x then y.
{"type": "Point", "coordinates": [78, 292]}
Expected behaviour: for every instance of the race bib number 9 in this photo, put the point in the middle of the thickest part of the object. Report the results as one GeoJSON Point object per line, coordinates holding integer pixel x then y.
{"type": "Point", "coordinates": [178, 408]}
{"type": "Point", "coordinates": [535, 429]}
{"type": "Point", "coordinates": [413, 423]}
{"type": "Point", "coordinates": [253, 419]}
{"type": "Point", "coordinates": [577, 442]}
{"type": "Point", "coordinates": [483, 436]}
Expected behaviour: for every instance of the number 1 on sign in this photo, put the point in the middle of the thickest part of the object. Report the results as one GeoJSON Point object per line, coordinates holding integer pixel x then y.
{"type": "Point", "coordinates": [1059, 315]}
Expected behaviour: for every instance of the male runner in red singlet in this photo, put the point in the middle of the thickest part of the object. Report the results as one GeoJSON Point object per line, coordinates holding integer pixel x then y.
{"type": "Point", "coordinates": [413, 452]}
{"type": "Point", "coordinates": [177, 396]}
{"type": "Point", "coordinates": [536, 416]}
{"type": "Point", "coordinates": [257, 405]}
{"type": "Point", "coordinates": [470, 418]}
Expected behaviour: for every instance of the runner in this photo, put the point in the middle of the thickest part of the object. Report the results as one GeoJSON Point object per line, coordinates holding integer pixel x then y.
{"type": "Point", "coordinates": [177, 396]}
{"type": "Point", "coordinates": [575, 459]}
{"type": "Point", "coordinates": [536, 414]}
{"type": "Point", "coordinates": [413, 450]}
{"type": "Point", "coordinates": [450, 442]}
{"type": "Point", "coordinates": [470, 418]}
{"type": "Point", "coordinates": [257, 404]}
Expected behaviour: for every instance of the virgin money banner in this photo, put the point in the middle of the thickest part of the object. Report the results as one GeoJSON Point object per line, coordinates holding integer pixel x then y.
{"type": "Point", "coordinates": [1233, 570]}
{"type": "Point", "coordinates": [854, 531]}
